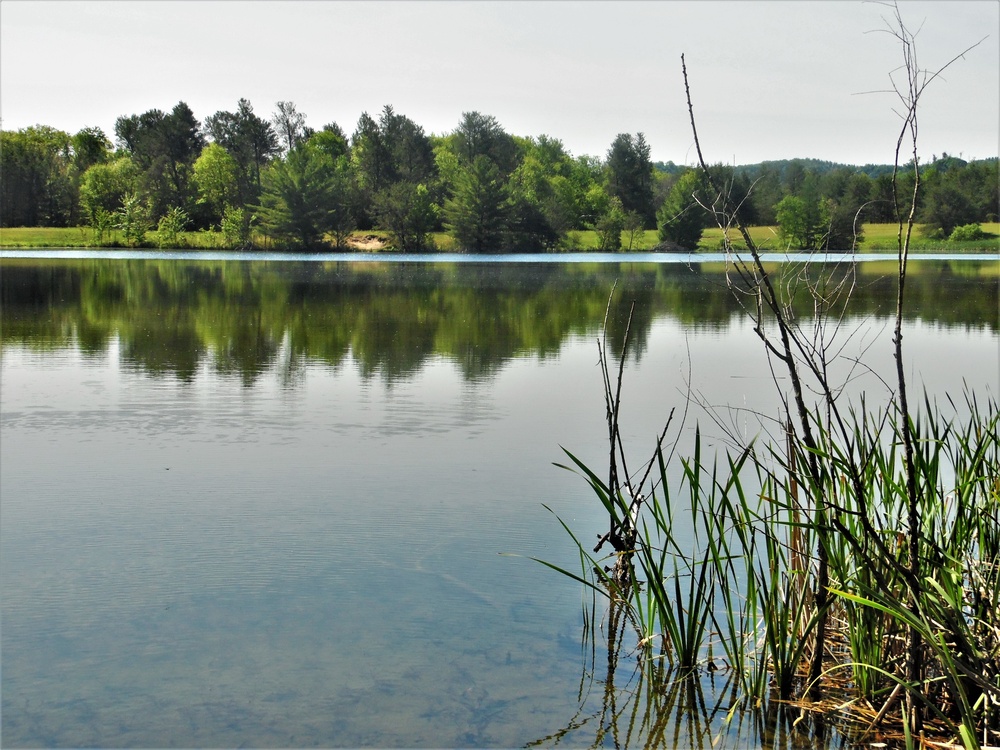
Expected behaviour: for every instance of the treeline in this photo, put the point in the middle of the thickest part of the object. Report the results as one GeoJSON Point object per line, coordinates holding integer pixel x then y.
{"type": "Point", "coordinates": [278, 180]}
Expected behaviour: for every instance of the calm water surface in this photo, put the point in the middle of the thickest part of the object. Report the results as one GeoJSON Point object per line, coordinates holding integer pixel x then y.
{"type": "Point", "coordinates": [276, 503]}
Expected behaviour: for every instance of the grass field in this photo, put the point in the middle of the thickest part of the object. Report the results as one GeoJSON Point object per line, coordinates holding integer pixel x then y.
{"type": "Point", "coordinates": [877, 238]}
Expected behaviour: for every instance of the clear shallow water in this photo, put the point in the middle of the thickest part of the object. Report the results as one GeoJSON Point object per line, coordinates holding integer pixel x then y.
{"type": "Point", "coordinates": [267, 504]}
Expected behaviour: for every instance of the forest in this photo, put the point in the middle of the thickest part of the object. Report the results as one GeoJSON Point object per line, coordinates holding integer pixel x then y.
{"type": "Point", "coordinates": [275, 180]}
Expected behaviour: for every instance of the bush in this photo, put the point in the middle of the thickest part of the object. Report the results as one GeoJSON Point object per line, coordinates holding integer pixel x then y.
{"type": "Point", "coordinates": [170, 226]}
{"type": "Point", "coordinates": [967, 233]}
{"type": "Point", "coordinates": [133, 220]}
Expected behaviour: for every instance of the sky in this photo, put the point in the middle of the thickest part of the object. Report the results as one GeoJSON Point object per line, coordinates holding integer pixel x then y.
{"type": "Point", "coordinates": [769, 80]}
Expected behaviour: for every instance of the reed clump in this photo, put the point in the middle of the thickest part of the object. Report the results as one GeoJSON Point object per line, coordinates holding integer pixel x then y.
{"type": "Point", "coordinates": [850, 563]}
{"type": "Point", "coordinates": [725, 571]}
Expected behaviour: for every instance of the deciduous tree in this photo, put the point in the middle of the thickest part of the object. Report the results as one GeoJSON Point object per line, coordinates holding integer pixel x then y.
{"type": "Point", "coordinates": [290, 125]}
{"type": "Point", "coordinates": [104, 186]}
{"type": "Point", "coordinates": [250, 140]}
{"type": "Point", "coordinates": [216, 176]}
{"type": "Point", "coordinates": [410, 214]}
{"type": "Point", "coordinates": [36, 187]}
{"type": "Point", "coordinates": [164, 147]}
{"type": "Point", "coordinates": [682, 217]}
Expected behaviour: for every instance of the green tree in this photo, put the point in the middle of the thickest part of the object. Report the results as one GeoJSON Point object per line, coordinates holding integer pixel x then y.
{"type": "Point", "coordinates": [290, 125]}
{"type": "Point", "coordinates": [170, 226]}
{"type": "Point", "coordinates": [304, 197]}
{"type": "Point", "coordinates": [954, 196]}
{"type": "Point", "coordinates": [610, 226]}
{"type": "Point", "coordinates": [133, 220]}
{"type": "Point", "coordinates": [482, 135]}
{"type": "Point", "coordinates": [236, 225]}
{"type": "Point", "coordinates": [331, 141]}
{"type": "Point", "coordinates": [476, 214]}
{"type": "Point", "coordinates": [104, 186]}
{"type": "Point", "coordinates": [844, 228]}
{"type": "Point", "coordinates": [802, 223]}
{"type": "Point", "coordinates": [630, 175]}
{"type": "Point", "coordinates": [250, 140]}
{"type": "Point", "coordinates": [164, 147]}
{"type": "Point", "coordinates": [410, 214]}
{"type": "Point", "coordinates": [90, 146]}
{"type": "Point", "coordinates": [681, 218]}
{"type": "Point", "coordinates": [545, 181]}
{"type": "Point", "coordinates": [36, 188]}
{"type": "Point", "coordinates": [391, 150]}
{"type": "Point", "coordinates": [528, 229]}
{"type": "Point", "coordinates": [216, 177]}
{"type": "Point", "coordinates": [767, 192]}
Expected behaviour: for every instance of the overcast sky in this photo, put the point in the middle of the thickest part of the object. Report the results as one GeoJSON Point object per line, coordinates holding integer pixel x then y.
{"type": "Point", "coordinates": [770, 80]}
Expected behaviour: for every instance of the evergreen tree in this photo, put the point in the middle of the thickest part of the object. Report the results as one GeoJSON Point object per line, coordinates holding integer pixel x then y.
{"type": "Point", "coordinates": [304, 197]}
{"type": "Point", "coordinates": [476, 215]}
{"type": "Point", "coordinates": [630, 175]}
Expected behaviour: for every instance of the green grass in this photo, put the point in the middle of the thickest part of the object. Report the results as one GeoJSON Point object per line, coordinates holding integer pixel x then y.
{"type": "Point", "coordinates": [877, 238]}
{"type": "Point", "coordinates": [40, 237]}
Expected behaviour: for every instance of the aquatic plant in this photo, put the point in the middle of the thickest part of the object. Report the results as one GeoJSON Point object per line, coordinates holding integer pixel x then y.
{"type": "Point", "coordinates": [852, 562]}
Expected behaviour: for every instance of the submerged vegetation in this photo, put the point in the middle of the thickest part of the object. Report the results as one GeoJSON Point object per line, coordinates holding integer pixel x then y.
{"type": "Point", "coordinates": [845, 562]}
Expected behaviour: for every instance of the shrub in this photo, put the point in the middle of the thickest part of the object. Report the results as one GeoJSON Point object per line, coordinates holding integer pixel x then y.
{"type": "Point", "coordinates": [966, 233]}
{"type": "Point", "coordinates": [170, 226]}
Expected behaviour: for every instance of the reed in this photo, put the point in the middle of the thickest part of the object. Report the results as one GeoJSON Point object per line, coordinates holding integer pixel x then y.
{"type": "Point", "coordinates": [856, 556]}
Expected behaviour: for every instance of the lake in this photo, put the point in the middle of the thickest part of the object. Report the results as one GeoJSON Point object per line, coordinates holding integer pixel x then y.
{"type": "Point", "coordinates": [290, 502]}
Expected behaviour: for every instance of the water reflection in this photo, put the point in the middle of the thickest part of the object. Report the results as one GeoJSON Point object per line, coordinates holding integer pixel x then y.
{"type": "Point", "coordinates": [242, 318]}
{"type": "Point", "coordinates": [628, 701]}
{"type": "Point", "coordinates": [261, 503]}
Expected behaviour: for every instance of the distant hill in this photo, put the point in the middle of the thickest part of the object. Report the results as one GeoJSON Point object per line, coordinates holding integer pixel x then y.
{"type": "Point", "coordinates": [819, 166]}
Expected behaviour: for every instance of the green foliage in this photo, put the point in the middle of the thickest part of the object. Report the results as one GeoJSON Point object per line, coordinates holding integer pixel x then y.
{"type": "Point", "coordinates": [164, 147]}
{"type": "Point", "coordinates": [740, 565]}
{"type": "Point", "coordinates": [170, 226]}
{"type": "Point", "coordinates": [630, 175]}
{"type": "Point", "coordinates": [476, 214]}
{"type": "Point", "coordinates": [216, 178]}
{"type": "Point", "coordinates": [482, 135]}
{"type": "Point", "coordinates": [610, 226]}
{"type": "Point", "coordinates": [304, 197]}
{"type": "Point", "coordinates": [945, 208]}
{"type": "Point", "coordinates": [90, 146]}
{"type": "Point", "coordinates": [681, 218]}
{"type": "Point", "coordinates": [101, 224]}
{"type": "Point", "coordinates": [410, 214]}
{"type": "Point", "coordinates": [132, 218]}
{"type": "Point", "coordinates": [236, 226]}
{"type": "Point", "coordinates": [36, 189]}
{"type": "Point", "coordinates": [104, 186]}
{"type": "Point", "coordinates": [393, 149]}
{"type": "Point", "coordinates": [252, 143]}
{"type": "Point", "coordinates": [967, 233]}
{"type": "Point", "coordinates": [331, 141]}
{"type": "Point", "coordinates": [529, 229]}
{"type": "Point", "coordinates": [549, 192]}
{"type": "Point", "coordinates": [801, 222]}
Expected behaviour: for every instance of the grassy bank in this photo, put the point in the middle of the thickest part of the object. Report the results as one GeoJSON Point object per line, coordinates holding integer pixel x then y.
{"type": "Point", "coordinates": [877, 238]}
